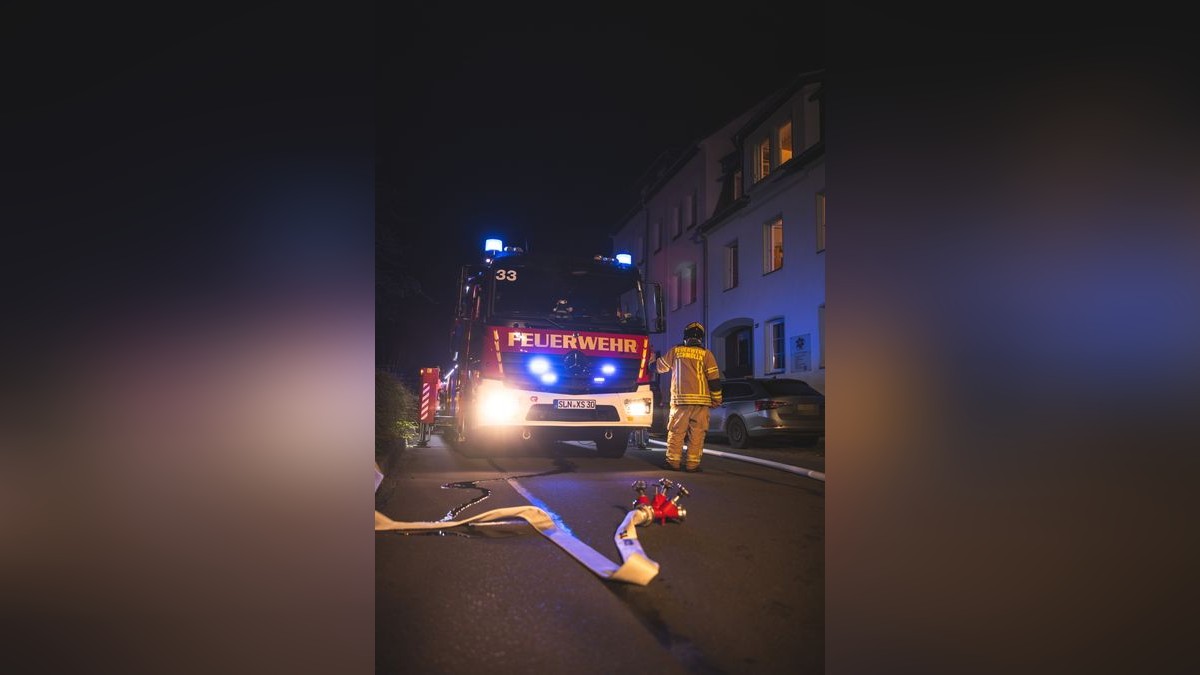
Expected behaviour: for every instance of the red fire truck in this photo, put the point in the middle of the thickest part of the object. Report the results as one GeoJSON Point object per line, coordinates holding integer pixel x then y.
{"type": "Point", "coordinates": [551, 348]}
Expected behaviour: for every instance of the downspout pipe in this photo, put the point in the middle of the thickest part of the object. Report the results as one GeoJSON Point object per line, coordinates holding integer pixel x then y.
{"type": "Point", "coordinates": [647, 277]}
{"type": "Point", "coordinates": [704, 275]}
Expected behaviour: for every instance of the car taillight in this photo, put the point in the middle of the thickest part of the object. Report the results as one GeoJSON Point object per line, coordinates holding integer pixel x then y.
{"type": "Point", "coordinates": [768, 405]}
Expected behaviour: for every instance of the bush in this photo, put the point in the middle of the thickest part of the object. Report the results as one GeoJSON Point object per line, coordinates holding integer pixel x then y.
{"type": "Point", "coordinates": [410, 412]}
{"type": "Point", "coordinates": [396, 413]}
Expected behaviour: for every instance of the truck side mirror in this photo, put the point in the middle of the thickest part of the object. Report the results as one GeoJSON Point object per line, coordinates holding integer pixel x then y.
{"type": "Point", "coordinates": [465, 307]}
{"type": "Point", "coordinates": [658, 324]}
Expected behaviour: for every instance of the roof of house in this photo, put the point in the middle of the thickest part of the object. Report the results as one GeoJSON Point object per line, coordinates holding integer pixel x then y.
{"type": "Point", "coordinates": [670, 161]}
{"type": "Point", "coordinates": [770, 104]}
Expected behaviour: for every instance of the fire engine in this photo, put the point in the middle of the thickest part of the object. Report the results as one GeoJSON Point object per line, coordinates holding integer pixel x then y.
{"type": "Point", "coordinates": [550, 348]}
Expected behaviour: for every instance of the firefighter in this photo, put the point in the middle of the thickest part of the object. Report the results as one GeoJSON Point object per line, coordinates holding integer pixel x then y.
{"type": "Point", "coordinates": [695, 387]}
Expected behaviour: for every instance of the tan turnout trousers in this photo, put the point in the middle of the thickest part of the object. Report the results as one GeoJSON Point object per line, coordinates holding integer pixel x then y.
{"type": "Point", "coordinates": [690, 421]}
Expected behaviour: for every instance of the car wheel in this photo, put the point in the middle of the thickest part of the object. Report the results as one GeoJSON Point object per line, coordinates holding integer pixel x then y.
{"type": "Point", "coordinates": [735, 428]}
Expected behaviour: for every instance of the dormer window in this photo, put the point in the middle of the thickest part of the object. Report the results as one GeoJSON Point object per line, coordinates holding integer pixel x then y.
{"type": "Point", "coordinates": [763, 159]}
{"type": "Point", "coordinates": [785, 141]}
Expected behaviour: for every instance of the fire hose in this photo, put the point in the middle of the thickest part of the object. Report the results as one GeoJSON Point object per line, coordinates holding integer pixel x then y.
{"type": "Point", "coordinates": [636, 567]}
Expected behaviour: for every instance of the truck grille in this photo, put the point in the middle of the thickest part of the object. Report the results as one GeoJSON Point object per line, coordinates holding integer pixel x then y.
{"type": "Point", "coordinates": [517, 374]}
{"type": "Point", "coordinates": [542, 412]}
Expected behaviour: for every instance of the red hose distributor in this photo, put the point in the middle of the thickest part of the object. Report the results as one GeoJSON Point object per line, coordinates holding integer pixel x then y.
{"type": "Point", "coordinates": [661, 508]}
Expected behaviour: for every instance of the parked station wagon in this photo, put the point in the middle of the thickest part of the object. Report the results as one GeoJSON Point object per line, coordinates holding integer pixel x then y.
{"type": "Point", "coordinates": [759, 408]}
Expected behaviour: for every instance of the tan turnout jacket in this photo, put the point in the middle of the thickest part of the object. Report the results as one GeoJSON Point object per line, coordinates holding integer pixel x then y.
{"type": "Point", "coordinates": [691, 368]}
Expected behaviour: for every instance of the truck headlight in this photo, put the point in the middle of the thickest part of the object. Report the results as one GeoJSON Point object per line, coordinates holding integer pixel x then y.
{"type": "Point", "coordinates": [638, 406]}
{"type": "Point", "coordinates": [497, 406]}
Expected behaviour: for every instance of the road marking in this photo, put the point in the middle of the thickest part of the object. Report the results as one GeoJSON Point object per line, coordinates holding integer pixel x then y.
{"type": "Point", "coordinates": [540, 504]}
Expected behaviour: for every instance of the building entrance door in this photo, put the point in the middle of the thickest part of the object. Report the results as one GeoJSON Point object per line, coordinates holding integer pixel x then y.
{"type": "Point", "coordinates": [737, 354]}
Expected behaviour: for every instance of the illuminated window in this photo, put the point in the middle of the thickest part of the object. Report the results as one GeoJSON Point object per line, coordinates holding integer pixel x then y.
{"type": "Point", "coordinates": [785, 141]}
{"type": "Point", "coordinates": [773, 245]}
{"type": "Point", "coordinates": [731, 265]}
{"type": "Point", "coordinates": [763, 159]}
{"type": "Point", "coordinates": [656, 235]}
{"type": "Point", "coordinates": [820, 221]}
{"type": "Point", "coordinates": [776, 343]}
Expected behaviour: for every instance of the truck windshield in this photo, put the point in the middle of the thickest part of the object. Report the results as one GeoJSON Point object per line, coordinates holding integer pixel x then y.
{"type": "Point", "coordinates": [579, 297]}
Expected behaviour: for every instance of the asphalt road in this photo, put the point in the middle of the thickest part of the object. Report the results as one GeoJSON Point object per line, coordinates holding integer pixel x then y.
{"type": "Point", "coordinates": [740, 587]}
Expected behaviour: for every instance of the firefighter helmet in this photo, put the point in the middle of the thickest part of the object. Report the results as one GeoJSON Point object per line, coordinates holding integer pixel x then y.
{"type": "Point", "coordinates": [694, 330]}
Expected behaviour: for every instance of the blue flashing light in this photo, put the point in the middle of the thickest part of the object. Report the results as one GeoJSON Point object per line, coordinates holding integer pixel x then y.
{"type": "Point", "coordinates": [549, 378]}
{"type": "Point", "coordinates": [538, 365]}
{"type": "Point", "coordinates": [598, 380]}
{"type": "Point", "coordinates": [624, 259]}
{"type": "Point", "coordinates": [493, 245]}
{"type": "Point", "coordinates": [608, 369]}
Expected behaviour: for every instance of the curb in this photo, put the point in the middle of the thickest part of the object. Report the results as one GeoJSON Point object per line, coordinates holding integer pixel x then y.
{"type": "Point", "coordinates": [816, 475]}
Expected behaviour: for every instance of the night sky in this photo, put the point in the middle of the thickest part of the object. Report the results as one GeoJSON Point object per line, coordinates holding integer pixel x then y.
{"type": "Point", "coordinates": [537, 129]}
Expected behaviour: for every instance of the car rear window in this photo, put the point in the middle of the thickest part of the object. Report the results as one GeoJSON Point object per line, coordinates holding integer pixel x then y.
{"type": "Point", "coordinates": [736, 390]}
{"type": "Point", "coordinates": [789, 388]}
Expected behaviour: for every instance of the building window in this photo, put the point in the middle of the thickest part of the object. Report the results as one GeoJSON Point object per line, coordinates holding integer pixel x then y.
{"type": "Point", "coordinates": [676, 223]}
{"type": "Point", "coordinates": [731, 265]}
{"type": "Point", "coordinates": [773, 245]}
{"type": "Point", "coordinates": [762, 164]}
{"type": "Point", "coordinates": [785, 141]}
{"type": "Point", "coordinates": [656, 235]}
{"type": "Point", "coordinates": [690, 209]}
{"type": "Point", "coordinates": [821, 334]}
{"type": "Point", "coordinates": [820, 221]}
{"type": "Point", "coordinates": [683, 286]}
{"type": "Point", "coordinates": [775, 345]}
{"type": "Point", "coordinates": [737, 184]}
{"type": "Point", "coordinates": [639, 248]}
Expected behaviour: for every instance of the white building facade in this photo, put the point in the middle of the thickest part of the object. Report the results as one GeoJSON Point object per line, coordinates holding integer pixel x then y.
{"type": "Point", "coordinates": [733, 229]}
{"type": "Point", "coordinates": [765, 245]}
{"type": "Point", "coordinates": [679, 193]}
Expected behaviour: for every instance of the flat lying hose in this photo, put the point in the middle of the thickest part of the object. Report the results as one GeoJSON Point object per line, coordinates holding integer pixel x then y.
{"type": "Point", "coordinates": [636, 568]}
